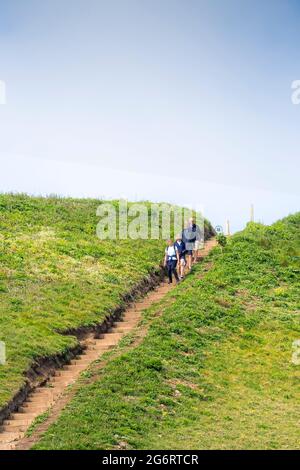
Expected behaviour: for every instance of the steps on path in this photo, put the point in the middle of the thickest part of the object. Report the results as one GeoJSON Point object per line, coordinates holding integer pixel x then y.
{"type": "Point", "coordinates": [44, 397]}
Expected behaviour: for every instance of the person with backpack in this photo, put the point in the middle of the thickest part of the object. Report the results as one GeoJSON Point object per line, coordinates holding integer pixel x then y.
{"type": "Point", "coordinates": [181, 250]}
{"type": "Point", "coordinates": [171, 260]}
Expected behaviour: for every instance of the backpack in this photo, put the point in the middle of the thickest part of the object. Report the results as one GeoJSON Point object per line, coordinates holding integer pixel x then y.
{"type": "Point", "coordinates": [180, 248]}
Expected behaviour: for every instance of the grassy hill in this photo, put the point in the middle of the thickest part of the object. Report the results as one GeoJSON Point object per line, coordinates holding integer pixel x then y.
{"type": "Point", "coordinates": [56, 275]}
{"type": "Point", "coordinates": [215, 369]}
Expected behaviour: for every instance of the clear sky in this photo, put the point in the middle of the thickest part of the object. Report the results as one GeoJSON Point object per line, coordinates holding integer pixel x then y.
{"type": "Point", "coordinates": [183, 101]}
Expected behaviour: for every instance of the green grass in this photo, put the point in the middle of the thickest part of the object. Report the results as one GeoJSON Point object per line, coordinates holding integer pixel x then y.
{"type": "Point", "coordinates": [214, 370]}
{"type": "Point", "coordinates": [37, 422]}
{"type": "Point", "coordinates": [56, 275]}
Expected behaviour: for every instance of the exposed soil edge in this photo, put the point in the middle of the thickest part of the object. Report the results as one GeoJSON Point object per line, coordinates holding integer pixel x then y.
{"type": "Point", "coordinates": [45, 367]}
{"type": "Point", "coordinates": [27, 442]}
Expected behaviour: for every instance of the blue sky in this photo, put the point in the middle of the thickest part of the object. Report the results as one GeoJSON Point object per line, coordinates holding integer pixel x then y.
{"type": "Point", "coordinates": [188, 102]}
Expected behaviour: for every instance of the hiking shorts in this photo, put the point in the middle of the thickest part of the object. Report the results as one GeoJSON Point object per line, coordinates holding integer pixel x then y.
{"type": "Point", "coordinates": [182, 261]}
{"type": "Point", "coordinates": [190, 246]}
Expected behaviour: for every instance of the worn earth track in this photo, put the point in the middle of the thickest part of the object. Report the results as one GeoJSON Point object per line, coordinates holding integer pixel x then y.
{"type": "Point", "coordinates": [45, 398]}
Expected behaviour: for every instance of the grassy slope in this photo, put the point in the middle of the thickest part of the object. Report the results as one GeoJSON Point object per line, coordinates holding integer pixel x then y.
{"type": "Point", "coordinates": [55, 274]}
{"type": "Point", "coordinates": [215, 369]}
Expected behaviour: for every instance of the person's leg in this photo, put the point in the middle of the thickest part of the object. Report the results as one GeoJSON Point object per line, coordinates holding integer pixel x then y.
{"type": "Point", "coordinates": [180, 268]}
{"type": "Point", "coordinates": [169, 267]}
{"type": "Point", "coordinates": [174, 270]}
{"type": "Point", "coordinates": [189, 260]}
{"type": "Point", "coordinates": [196, 252]}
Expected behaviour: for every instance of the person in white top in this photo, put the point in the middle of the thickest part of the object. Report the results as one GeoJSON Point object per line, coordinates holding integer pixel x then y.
{"type": "Point", "coordinates": [171, 260]}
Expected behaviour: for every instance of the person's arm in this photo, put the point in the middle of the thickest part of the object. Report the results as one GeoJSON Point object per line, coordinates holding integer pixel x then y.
{"type": "Point", "coordinates": [177, 254]}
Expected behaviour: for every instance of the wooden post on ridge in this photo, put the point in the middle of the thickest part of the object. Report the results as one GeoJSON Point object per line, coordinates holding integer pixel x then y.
{"type": "Point", "coordinates": [252, 213]}
{"type": "Point", "coordinates": [227, 228]}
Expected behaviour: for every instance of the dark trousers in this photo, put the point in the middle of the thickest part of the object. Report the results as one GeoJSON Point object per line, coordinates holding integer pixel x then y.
{"type": "Point", "coordinates": [171, 267]}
